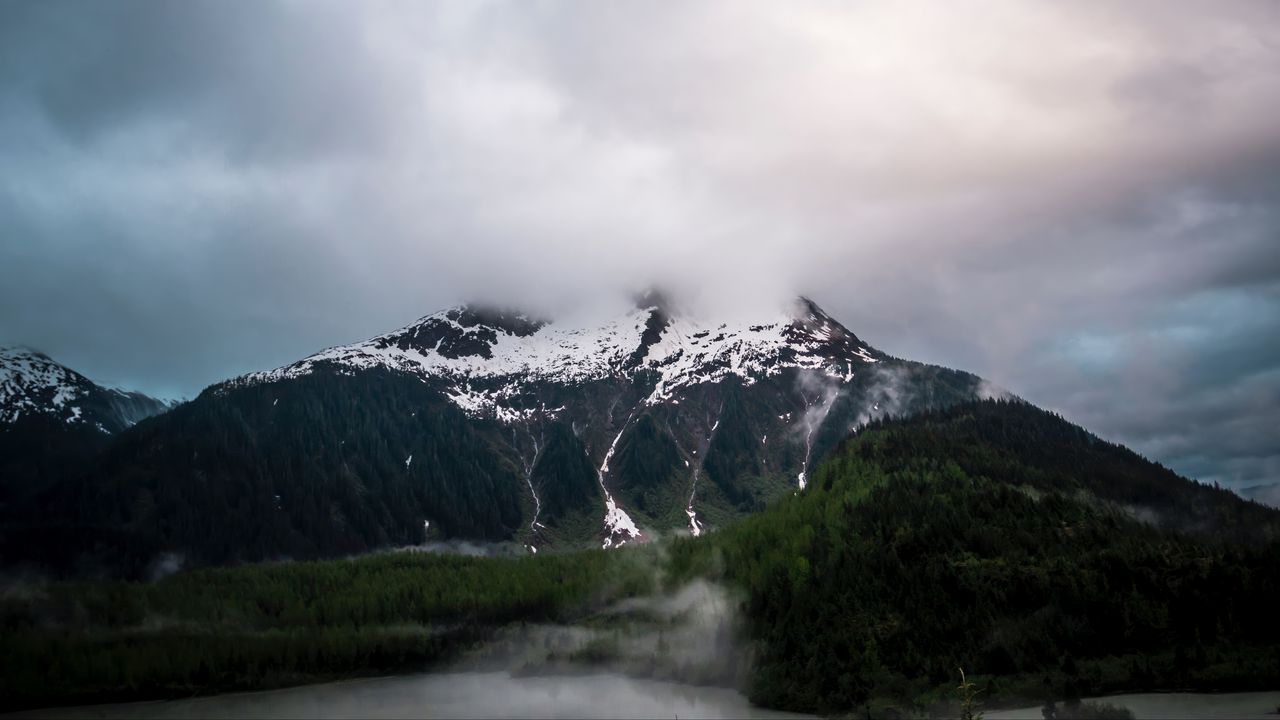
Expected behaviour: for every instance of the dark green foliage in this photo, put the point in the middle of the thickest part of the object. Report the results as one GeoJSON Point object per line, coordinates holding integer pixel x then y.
{"type": "Point", "coordinates": [63, 550]}
{"type": "Point", "coordinates": [646, 467]}
{"type": "Point", "coordinates": [1020, 444]}
{"type": "Point", "coordinates": [564, 476]}
{"type": "Point", "coordinates": [57, 438]}
{"type": "Point", "coordinates": [899, 388]}
{"type": "Point", "coordinates": [922, 546]}
{"type": "Point", "coordinates": [733, 455]}
{"type": "Point", "coordinates": [318, 465]}
{"type": "Point", "coordinates": [312, 467]}
{"type": "Point", "coordinates": [993, 537]}
{"type": "Point", "coordinates": [260, 626]}
{"type": "Point", "coordinates": [36, 452]}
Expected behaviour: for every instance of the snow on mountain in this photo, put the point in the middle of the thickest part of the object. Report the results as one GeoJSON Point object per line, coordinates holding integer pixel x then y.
{"type": "Point", "coordinates": [31, 383]}
{"type": "Point", "coordinates": [481, 424]}
{"type": "Point", "coordinates": [486, 358]}
{"type": "Point", "coordinates": [525, 372]}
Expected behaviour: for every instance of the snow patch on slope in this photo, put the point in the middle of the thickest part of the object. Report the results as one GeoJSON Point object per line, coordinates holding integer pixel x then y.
{"type": "Point", "coordinates": [616, 520]}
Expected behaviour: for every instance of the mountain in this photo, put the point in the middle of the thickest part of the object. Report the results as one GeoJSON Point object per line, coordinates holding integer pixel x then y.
{"type": "Point", "coordinates": [997, 538]}
{"type": "Point", "coordinates": [490, 425]}
{"type": "Point", "coordinates": [989, 537]}
{"type": "Point", "coordinates": [33, 385]}
{"type": "Point", "coordinates": [53, 419]}
{"type": "Point", "coordinates": [1265, 494]}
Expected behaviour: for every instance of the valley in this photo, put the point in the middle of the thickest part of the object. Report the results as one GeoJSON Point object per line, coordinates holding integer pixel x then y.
{"type": "Point", "coordinates": [955, 539]}
{"type": "Point", "coordinates": [493, 358]}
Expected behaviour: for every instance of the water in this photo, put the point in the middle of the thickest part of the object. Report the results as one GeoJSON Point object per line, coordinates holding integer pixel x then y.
{"type": "Point", "coordinates": [603, 695]}
{"type": "Point", "coordinates": [452, 695]}
{"type": "Point", "coordinates": [1175, 706]}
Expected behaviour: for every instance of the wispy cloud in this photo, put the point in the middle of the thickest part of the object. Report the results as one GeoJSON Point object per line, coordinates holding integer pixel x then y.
{"type": "Point", "coordinates": [193, 190]}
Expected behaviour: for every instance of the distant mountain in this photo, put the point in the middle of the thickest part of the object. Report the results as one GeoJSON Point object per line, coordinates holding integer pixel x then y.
{"type": "Point", "coordinates": [1265, 494]}
{"type": "Point", "coordinates": [32, 384]}
{"type": "Point", "coordinates": [52, 419]}
{"type": "Point", "coordinates": [484, 424]}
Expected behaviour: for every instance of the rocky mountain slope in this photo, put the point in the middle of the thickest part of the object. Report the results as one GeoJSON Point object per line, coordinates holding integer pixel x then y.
{"type": "Point", "coordinates": [491, 425]}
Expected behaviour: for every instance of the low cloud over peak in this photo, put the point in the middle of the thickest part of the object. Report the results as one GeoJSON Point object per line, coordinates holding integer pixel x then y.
{"type": "Point", "coordinates": [1078, 201]}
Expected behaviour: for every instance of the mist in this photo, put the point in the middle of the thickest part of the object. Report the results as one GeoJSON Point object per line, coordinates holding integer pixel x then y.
{"type": "Point", "coordinates": [454, 695]}
{"type": "Point", "coordinates": [1077, 202]}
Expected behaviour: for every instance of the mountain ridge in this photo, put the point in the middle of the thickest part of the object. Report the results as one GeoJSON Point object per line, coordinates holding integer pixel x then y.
{"type": "Point", "coordinates": [53, 423]}
{"type": "Point", "coordinates": [490, 425]}
{"type": "Point", "coordinates": [31, 382]}
{"type": "Point", "coordinates": [485, 356]}
{"type": "Point", "coordinates": [469, 422]}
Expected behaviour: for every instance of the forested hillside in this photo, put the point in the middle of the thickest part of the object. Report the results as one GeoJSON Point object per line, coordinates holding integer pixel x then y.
{"type": "Point", "coordinates": [471, 424]}
{"type": "Point", "coordinates": [270, 625]}
{"type": "Point", "coordinates": [53, 423]}
{"type": "Point", "coordinates": [1019, 444]}
{"type": "Point", "coordinates": [335, 462]}
{"type": "Point", "coordinates": [990, 538]}
{"type": "Point", "coordinates": [921, 546]}
{"type": "Point", "coordinates": [325, 465]}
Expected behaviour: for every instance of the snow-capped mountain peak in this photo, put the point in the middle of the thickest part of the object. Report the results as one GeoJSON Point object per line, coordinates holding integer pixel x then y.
{"type": "Point", "coordinates": [483, 357]}
{"type": "Point", "coordinates": [32, 383]}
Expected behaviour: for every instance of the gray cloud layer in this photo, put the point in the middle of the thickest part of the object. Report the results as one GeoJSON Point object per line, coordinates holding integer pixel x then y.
{"type": "Point", "coordinates": [1079, 201]}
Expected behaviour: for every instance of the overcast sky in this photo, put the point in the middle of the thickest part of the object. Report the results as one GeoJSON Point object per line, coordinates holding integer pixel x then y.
{"type": "Point", "coordinates": [1078, 201]}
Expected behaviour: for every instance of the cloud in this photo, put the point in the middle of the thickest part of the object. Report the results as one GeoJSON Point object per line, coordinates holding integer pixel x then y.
{"type": "Point", "coordinates": [189, 191]}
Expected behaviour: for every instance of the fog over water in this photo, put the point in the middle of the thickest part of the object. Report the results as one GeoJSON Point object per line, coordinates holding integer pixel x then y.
{"type": "Point", "coordinates": [1174, 706]}
{"type": "Point", "coordinates": [599, 695]}
{"type": "Point", "coordinates": [453, 695]}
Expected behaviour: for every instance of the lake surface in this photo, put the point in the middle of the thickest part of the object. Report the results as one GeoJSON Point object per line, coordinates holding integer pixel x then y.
{"type": "Point", "coordinates": [1175, 706]}
{"type": "Point", "coordinates": [603, 695]}
{"type": "Point", "coordinates": [452, 695]}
